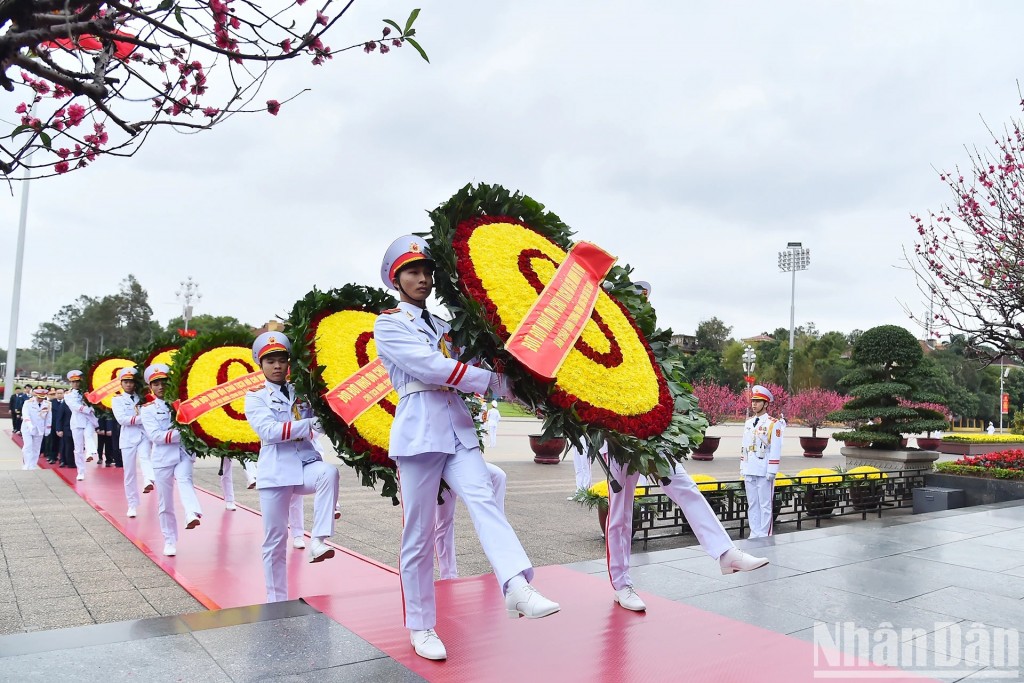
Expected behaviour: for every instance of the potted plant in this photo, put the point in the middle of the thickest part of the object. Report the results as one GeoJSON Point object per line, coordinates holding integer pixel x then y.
{"type": "Point", "coordinates": [547, 451]}
{"type": "Point", "coordinates": [812, 407]}
{"type": "Point", "coordinates": [866, 484]}
{"type": "Point", "coordinates": [717, 403]}
{"type": "Point", "coordinates": [928, 442]}
{"type": "Point", "coordinates": [821, 489]}
{"type": "Point", "coordinates": [597, 497]}
{"type": "Point", "coordinates": [884, 394]}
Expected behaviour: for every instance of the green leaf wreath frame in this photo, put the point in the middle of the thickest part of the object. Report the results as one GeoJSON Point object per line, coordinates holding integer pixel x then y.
{"type": "Point", "coordinates": [476, 332]}
{"type": "Point", "coordinates": [370, 462]}
{"type": "Point", "coordinates": [203, 445]}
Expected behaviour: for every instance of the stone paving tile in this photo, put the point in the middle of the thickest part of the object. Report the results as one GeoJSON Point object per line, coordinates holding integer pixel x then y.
{"type": "Point", "coordinates": [118, 606]}
{"type": "Point", "coordinates": [973, 553]}
{"type": "Point", "coordinates": [738, 607]}
{"type": "Point", "coordinates": [295, 646]}
{"type": "Point", "coordinates": [45, 614]}
{"type": "Point", "coordinates": [972, 605]}
{"type": "Point", "coordinates": [383, 670]}
{"type": "Point", "coordinates": [168, 659]}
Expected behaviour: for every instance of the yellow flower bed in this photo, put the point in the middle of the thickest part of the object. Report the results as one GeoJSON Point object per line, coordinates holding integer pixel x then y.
{"type": "Point", "coordinates": [629, 387]}
{"type": "Point", "coordinates": [782, 480]}
{"type": "Point", "coordinates": [983, 438]}
{"type": "Point", "coordinates": [866, 472]}
{"type": "Point", "coordinates": [705, 482]}
{"type": "Point", "coordinates": [818, 475]}
{"type": "Point", "coordinates": [601, 489]}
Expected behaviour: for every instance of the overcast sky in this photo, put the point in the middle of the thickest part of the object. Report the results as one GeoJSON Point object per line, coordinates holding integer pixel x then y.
{"type": "Point", "coordinates": [692, 140]}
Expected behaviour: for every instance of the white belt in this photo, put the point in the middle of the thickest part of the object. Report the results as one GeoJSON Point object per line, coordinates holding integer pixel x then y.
{"type": "Point", "coordinates": [415, 386]}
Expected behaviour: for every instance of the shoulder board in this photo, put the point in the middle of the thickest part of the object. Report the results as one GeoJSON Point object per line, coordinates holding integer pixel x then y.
{"type": "Point", "coordinates": [391, 310]}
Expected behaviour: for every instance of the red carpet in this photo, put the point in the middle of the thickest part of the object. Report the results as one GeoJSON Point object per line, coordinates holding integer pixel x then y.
{"type": "Point", "coordinates": [591, 639]}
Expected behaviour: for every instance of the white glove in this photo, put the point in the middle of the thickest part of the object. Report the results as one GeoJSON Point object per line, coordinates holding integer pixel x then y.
{"type": "Point", "coordinates": [316, 426]}
{"type": "Point", "coordinates": [771, 477]}
{"type": "Point", "coordinates": [500, 386]}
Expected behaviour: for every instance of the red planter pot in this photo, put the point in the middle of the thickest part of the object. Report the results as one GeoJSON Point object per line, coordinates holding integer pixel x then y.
{"type": "Point", "coordinates": [814, 446]}
{"type": "Point", "coordinates": [547, 451]}
{"type": "Point", "coordinates": [926, 444]}
{"type": "Point", "coordinates": [706, 449]}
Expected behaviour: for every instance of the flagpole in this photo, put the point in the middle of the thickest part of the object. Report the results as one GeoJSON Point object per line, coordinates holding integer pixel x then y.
{"type": "Point", "coordinates": [19, 259]}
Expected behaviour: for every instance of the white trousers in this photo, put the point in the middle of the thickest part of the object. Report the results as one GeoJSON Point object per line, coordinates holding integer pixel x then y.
{"type": "Point", "coordinates": [145, 461]}
{"type": "Point", "coordinates": [227, 482]}
{"type": "Point", "coordinates": [581, 463]}
{"type": "Point", "coordinates": [492, 434]}
{"type": "Point", "coordinates": [760, 494]}
{"type": "Point", "coordinates": [683, 492]}
{"type": "Point", "coordinates": [91, 441]}
{"type": "Point", "coordinates": [419, 477]}
{"type": "Point", "coordinates": [30, 451]}
{"type": "Point", "coordinates": [319, 479]}
{"type": "Point", "coordinates": [78, 437]}
{"type": "Point", "coordinates": [165, 480]}
{"type": "Point", "coordinates": [130, 461]}
{"type": "Point", "coordinates": [444, 543]}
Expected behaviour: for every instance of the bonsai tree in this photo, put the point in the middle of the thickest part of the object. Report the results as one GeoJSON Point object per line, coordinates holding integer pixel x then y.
{"type": "Point", "coordinates": [939, 408]}
{"type": "Point", "coordinates": [886, 360]}
{"type": "Point", "coordinates": [718, 403]}
{"type": "Point", "coordinates": [813, 407]}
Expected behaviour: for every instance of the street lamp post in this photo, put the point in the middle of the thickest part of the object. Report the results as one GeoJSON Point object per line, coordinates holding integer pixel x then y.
{"type": "Point", "coordinates": [794, 258]}
{"type": "Point", "coordinates": [188, 293]}
{"type": "Point", "coordinates": [749, 363]}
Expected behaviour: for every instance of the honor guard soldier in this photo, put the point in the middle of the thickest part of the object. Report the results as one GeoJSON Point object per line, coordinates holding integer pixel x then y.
{"type": "Point", "coordinates": [290, 462]}
{"type": "Point", "coordinates": [681, 490]}
{"type": "Point", "coordinates": [171, 462]}
{"type": "Point", "coordinates": [82, 416]}
{"type": "Point", "coordinates": [36, 423]}
{"type": "Point", "coordinates": [126, 406]}
{"type": "Point", "coordinates": [433, 436]}
{"type": "Point", "coordinates": [759, 460]}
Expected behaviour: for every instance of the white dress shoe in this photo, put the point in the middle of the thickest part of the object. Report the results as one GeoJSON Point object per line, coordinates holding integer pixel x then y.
{"type": "Point", "coordinates": [230, 506]}
{"type": "Point", "coordinates": [320, 551]}
{"type": "Point", "coordinates": [735, 560]}
{"type": "Point", "coordinates": [81, 476]}
{"type": "Point", "coordinates": [131, 512]}
{"type": "Point", "coordinates": [299, 542]}
{"type": "Point", "coordinates": [428, 645]}
{"type": "Point", "coordinates": [191, 520]}
{"type": "Point", "coordinates": [526, 601]}
{"type": "Point", "coordinates": [148, 487]}
{"type": "Point", "coordinates": [627, 598]}
{"type": "Point", "coordinates": [170, 550]}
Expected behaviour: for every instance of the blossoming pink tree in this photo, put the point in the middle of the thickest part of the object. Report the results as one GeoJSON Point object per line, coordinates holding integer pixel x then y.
{"type": "Point", "coordinates": [812, 407]}
{"type": "Point", "coordinates": [97, 77]}
{"type": "Point", "coordinates": [718, 403]}
{"type": "Point", "coordinates": [969, 255]}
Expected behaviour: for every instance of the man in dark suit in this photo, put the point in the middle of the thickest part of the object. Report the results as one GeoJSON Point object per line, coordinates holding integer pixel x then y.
{"type": "Point", "coordinates": [61, 438]}
{"type": "Point", "coordinates": [18, 399]}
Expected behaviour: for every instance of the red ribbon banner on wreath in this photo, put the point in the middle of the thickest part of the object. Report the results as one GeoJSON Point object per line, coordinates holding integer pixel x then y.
{"type": "Point", "coordinates": [556, 320]}
{"type": "Point", "coordinates": [106, 391]}
{"type": "Point", "coordinates": [219, 396]}
{"type": "Point", "coordinates": [361, 391]}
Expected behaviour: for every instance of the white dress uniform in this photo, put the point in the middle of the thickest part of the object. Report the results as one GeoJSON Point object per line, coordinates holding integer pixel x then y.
{"type": "Point", "coordinates": [493, 418]}
{"type": "Point", "coordinates": [36, 424]}
{"type": "Point", "coordinates": [444, 545]}
{"type": "Point", "coordinates": [126, 412]}
{"type": "Point", "coordinates": [289, 463]}
{"type": "Point", "coordinates": [296, 523]}
{"type": "Point", "coordinates": [760, 456]}
{"type": "Point", "coordinates": [171, 463]}
{"type": "Point", "coordinates": [81, 418]}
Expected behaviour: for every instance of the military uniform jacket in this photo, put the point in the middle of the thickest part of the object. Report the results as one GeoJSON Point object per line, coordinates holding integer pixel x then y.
{"type": "Point", "coordinates": [287, 437]}
{"type": "Point", "coordinates": [126, 412]}
{"type": "Point", "coordinates": [36, 420]}
{"type": "Point", "coordinates": [762, 446]}
{"type": "Point", "coordinates": [156, 425]}
{"type": "Point", "coordinates": [80, 412]}
{"type": "Point", "coordinates": [431, 418]}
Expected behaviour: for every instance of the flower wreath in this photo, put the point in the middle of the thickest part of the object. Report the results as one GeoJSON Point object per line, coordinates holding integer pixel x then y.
{"type": "Point", "coordinates": [201, 364]}
{"type": "Point", "coordinates": [103, 369]}
{"type": "Point", "coordinates": [332, 338]}
{"type": "Point", "coordinates": [622, 381]}
{"type": "Point", "coordinates": [161, 350]}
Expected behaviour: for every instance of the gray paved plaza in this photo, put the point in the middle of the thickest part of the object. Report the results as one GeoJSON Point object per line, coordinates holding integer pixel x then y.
{"type": "Point", "coordinates": [928, 579]}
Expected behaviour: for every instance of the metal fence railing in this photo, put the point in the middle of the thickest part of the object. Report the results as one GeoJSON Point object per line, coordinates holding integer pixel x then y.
{"type": "Point", "coordinates": [804, 500]}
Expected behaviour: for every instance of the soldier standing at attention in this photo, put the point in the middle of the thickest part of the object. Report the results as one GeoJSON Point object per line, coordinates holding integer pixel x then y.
{"type": "Point", "coordinates": [433, 436]}
{"type": "Point", "coordinates": [290, 463]}
{"type": "Point", "coordinates": [759, 460]}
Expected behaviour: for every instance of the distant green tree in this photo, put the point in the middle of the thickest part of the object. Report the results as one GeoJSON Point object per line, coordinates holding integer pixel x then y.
{"type": "Point", "coordinates": [712, 335]}
{"type": "Point", "coordinates": [207, 323]}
